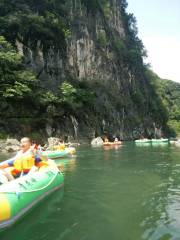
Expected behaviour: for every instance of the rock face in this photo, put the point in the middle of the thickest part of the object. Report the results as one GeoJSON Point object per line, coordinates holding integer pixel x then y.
{"type": "Point", "coordinates": [87, 57]}
{"type": "Point", "coordinates": [12, 145]}
{"type": "Point", "coordinates": [12, 141]}
{"type": "Point", "coordinates": [90, 56]}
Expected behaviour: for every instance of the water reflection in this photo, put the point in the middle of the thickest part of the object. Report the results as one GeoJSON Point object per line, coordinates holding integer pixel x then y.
{"type": "Point", "coordinates": [160, 144]}
{"type": "Point", "coordinates": [5, 156]}
{"type": "Point", "coordinates": [111, 147]}
{"type": "Point", "coordinates": [162, 209]}
{"type": "Point", "coordinates": [66, 164]}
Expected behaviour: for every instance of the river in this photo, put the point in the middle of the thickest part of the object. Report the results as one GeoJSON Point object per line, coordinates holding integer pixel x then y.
{"type": "Point", "coordinates": [128, 193]}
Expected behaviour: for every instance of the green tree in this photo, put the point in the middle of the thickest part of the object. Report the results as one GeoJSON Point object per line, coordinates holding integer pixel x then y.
{"type": "Point", "coordinates": [15, 82]}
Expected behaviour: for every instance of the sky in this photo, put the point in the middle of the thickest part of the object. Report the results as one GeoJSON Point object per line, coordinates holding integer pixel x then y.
{"type": "Point", "coordinates": [158, 23]}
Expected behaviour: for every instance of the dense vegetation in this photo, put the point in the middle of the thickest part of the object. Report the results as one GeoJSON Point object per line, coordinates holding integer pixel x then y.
{"type": "Point", "coordinates": [169, 93]}
{"type": "Point", "coordinates": [34, 21]}
{"type": "Point", "coordinates": [47, 24]}
{"type": "Point", "coordinates": [23, 97]}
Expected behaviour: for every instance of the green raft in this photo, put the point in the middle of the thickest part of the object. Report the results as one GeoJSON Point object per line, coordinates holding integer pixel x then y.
{"type": "Point", "coordinates": [53, 154]}
{"type": "Point", "coordinates": [161, 140]}
{"type": "Point", "coordinates": [20, 195]}
{"type": "Point", "coordinates": [143, 141]}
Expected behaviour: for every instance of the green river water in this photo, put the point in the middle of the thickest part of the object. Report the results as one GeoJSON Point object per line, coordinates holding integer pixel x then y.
{"type": "Point", "coordinates": [128, 193]}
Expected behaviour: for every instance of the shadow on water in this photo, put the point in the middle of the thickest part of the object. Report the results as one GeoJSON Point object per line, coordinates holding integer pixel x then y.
{"type": "Point", "coordinates": [66, 164]}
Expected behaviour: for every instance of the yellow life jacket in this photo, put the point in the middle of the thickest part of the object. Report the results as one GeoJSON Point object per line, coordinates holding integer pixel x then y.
{"type": "Point", "coordinates": [24, 163]}
{"type": "Point", "coordinates": [59, 147]}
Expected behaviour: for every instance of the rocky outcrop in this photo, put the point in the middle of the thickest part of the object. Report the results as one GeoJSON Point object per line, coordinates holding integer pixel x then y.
{"type": "Point", "coordinates": [2, 145]}
{"type": "Point", "coordinates": [12, 145]}
{"type": "Point", "coordinates": [9, 145]}
{"type": "Point", "coordinates": [97, 141]}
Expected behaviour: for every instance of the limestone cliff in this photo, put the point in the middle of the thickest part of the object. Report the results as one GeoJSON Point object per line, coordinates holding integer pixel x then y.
{"type": "Point", "coordinates": [103, 51]}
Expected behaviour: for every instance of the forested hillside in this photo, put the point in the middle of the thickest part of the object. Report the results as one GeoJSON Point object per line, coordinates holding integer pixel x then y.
{"type": "Point", "coordinates": [169, 93]}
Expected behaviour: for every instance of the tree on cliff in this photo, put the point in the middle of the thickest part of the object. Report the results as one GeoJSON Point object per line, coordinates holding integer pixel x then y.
{"type": "Point", "coordinates": [16, 83]}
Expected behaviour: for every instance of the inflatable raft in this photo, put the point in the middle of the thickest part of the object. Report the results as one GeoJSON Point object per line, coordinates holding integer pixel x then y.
{"type": "Point", "coordinates": [143, 141]}
{"type": "Point", "coordinates": [18, 196]}
{"type": "Point", "coordinates": [112, 143]}
{"type": "Point", "coordinates": [53, 154]}
{"type": "Point", "coordinates": [161, 140]}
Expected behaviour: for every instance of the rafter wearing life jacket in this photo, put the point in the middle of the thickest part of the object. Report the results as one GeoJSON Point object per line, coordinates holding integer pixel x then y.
{"type": "Point", "coordinates": [23, 165]}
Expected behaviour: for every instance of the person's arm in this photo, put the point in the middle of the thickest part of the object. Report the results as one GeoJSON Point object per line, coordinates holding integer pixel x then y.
{"type": "Point", "coordinates": [37, 159]}
{"type": "Point", "coordinates": [7, 163]}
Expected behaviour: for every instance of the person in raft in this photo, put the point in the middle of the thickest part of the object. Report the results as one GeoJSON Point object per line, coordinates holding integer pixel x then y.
{"type": "Point", "coordinates": [23, 162]}
{"type": "Point", "coordinates": [60, 146]}
{"type": "Point", "coordinates": [106, 140]}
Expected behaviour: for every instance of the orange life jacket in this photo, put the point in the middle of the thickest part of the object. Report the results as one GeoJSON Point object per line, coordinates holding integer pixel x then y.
{"type": "Point", "coordinates": [42, 164]}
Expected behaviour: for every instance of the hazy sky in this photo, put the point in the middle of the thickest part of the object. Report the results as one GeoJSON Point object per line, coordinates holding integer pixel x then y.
{"type": "Point", "coordinates": [158, 23]}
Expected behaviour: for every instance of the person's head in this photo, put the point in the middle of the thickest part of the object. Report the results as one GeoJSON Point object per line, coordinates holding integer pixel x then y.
{"type": "Point", "coordinates": [25, 144]}
{"type": "Point", "coordinates": [106, 139]}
